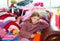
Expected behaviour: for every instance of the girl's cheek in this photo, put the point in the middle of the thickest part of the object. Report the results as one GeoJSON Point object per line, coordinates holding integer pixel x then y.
{"type": "Point", "coordinates": [33, 20]}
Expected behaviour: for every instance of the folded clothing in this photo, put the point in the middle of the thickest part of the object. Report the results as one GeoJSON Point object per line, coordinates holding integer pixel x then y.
{"type": "Point", "coordinates": [9, 37]}
{"type": "Point", "coordinates": [2, 24]}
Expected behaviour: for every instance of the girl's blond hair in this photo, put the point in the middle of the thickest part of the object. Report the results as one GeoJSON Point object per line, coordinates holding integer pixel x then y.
{"type": "Point", "coordinates": [35, 14]}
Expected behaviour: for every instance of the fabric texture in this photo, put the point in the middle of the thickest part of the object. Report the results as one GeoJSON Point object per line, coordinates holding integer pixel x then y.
{"type": "Point", "coordinates": [28, 29]}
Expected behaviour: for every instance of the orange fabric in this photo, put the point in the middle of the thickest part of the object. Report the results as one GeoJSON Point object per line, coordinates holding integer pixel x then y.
{"type": "Point", "coordinates": [37, 37]}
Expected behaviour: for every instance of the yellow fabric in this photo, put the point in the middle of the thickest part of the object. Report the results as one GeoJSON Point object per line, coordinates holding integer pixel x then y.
{"type": "Point", "coordinates": [58, 11]}
{"type": "Point", "coordinates": [15, 32]}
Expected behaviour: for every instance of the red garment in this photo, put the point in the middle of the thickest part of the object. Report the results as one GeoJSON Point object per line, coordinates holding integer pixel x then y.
{"type": "Point", "coordinates": [12, 5]}
{"type": "Point", "coordinates": [11, 23]}
{"type": "Point", "coordinates": [58, 21]}
{"type": "Point", "coordinates": [5, 16]}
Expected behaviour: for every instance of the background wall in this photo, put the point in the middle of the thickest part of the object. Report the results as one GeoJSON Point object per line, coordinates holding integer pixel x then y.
{"type": "Point", "coordinates": [3, 3]}
{"type": "Point", "coordinates": [47, 3]}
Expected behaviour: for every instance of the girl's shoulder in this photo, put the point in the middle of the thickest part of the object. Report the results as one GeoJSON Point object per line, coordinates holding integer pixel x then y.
{"type": "Point", "coordinates": [27, 21]}
{"type": "Point", "coordinates": [42, 23]}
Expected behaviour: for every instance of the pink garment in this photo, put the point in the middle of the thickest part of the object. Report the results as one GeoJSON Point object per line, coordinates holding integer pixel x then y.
{"type": "Point", "coordinates": [4, 9]}
{"type": "Point", "coordinates": [27, 15]}
{"type": "Point", "coordinates": [5, 36]}
{"type": "Point", "coordinates": [39, 4]}
{"type": "Point", "coordinates": [9, 37]}
{"type": "Point", "coordinates": [2, 32]}
{"type": "Point", "coordinates": [24, 39]}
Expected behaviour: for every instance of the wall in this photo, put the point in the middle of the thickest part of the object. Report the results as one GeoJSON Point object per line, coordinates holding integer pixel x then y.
{"type": "Point", "coordinates": [3, 3]}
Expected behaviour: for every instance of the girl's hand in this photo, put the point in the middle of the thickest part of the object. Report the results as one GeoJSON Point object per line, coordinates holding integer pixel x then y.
{"type": "Point", "coordinates": [33, 35]}
{"type": "Point", "coordinates": [41, 20]}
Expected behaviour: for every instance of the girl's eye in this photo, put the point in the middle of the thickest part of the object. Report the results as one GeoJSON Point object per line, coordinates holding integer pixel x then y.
{"type": "Point", "coordinates": [34, 18]}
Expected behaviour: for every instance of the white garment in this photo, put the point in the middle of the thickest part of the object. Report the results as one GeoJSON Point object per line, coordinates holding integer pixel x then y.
{"type": "Point", "coordinates": [8, 18]}
{"type": "Point", "coordinates": [13, 27]}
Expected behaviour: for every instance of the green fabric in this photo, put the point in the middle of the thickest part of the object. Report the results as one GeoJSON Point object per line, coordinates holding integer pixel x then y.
{"type": "Point", "coordinates": [13, 1]}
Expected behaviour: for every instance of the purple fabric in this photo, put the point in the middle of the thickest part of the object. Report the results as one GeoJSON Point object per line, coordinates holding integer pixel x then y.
{"type": "Point", "coordinates": [46, 20]}
{"type": "Point", "coordinates": [4, 24]}
{"type": "Point", "coordinates": [1, 23]}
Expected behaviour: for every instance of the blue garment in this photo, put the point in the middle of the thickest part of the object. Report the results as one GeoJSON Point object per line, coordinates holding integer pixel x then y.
{"type": "Point", "coordinates": [6, 40]}
{"type": "Point", "coordinates": [23, 3]}
{"type": "Point", "coordinates": [9, 33]}
{"type": "Point", "coordinates": [21, 23]}
{"type": "Point", "coordinates": [16, 39]}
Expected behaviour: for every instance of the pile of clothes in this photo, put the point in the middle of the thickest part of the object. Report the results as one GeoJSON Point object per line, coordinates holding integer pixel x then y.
{"type": "Point", "coordinates": [10, 24]}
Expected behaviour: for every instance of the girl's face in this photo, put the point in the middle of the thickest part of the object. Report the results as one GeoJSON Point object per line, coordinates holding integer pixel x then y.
{"type": "Point", "coordinates": [35, 19]}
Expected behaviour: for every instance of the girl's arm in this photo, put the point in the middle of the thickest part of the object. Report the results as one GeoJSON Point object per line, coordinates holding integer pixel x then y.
{"type": "Point", "coordinates": [43, 24]}
{"type": "Point", "coordinates": [24, 31]}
